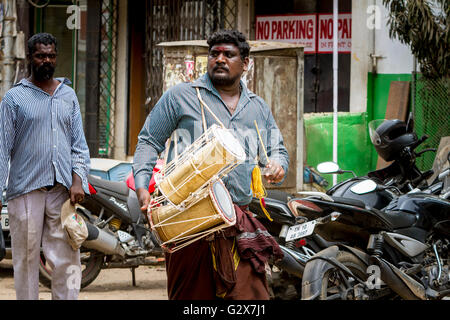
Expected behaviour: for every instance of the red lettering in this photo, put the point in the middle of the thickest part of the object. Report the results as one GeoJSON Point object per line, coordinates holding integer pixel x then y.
{"type": "Point", "coordinates": [260, 30]}
{"type": "Point", "coordinates": [274, 29]}
{"type": "Point", "coordinates": [323, 29]}
{"type": "Point", "coordinates": [266, 30]}
{"type": "Point", "coordinates": [350, 33]}
{"type": "Point", "coordinates": [279, 30]}
{"type": "Point", "coordinates": [285, 30]}
{"type": "Point", "coordinates": [310, 29]}
{"type": "Point", "coordinates": [344, 33]}
{"type": "Point", "coordinates": [302, 29]}
{"type": "Point", "coordinates": [330, 29]}
{"type": "Point", "coordinates": [291, 30]}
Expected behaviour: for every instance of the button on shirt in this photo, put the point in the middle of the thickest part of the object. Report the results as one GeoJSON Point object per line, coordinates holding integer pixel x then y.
{"type": "Point", "coordinates": [41, 139]}
{"type": "Point", "coordinates": [179, 109]}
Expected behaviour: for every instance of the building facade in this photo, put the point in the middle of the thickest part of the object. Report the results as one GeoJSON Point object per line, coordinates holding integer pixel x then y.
{"type": "Point", "coordinates": [108, 49]}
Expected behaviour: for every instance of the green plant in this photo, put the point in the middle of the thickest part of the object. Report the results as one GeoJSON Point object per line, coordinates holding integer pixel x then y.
{"type": "Point", "coordinates": [424, 26]}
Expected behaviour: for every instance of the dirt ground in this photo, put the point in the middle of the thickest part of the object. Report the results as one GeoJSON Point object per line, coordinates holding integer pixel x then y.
{"type": "Point", "coordinates": [111, 284]}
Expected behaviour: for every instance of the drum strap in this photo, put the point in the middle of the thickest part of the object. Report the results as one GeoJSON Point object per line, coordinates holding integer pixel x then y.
{"type": "Point", "coordinates": [203, 104]}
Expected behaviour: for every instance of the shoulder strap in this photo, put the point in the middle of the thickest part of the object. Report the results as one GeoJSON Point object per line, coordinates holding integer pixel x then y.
{"type": "Point", "coordinates": [207, 108]}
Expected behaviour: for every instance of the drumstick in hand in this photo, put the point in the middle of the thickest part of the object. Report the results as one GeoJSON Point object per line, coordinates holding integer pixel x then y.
{"type": "Point", "coordinates": [262, 143]}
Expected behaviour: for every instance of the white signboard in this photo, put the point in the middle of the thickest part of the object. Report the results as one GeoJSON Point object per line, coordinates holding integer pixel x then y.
{"type": "Point", "coordinates": [325, 43]}
{"type": "Point", "coordinates": [288, 28]}
{"type": "Point", "coordinates": [314, 31]}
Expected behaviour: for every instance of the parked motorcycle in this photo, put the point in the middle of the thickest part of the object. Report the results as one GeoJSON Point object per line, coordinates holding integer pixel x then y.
{"type": "Point", "coordinates": [286, 274]}
{"type": "Point", "coordinates": [4, 230]}
{"type": "Point", "coordinates": [406, 252]}
{"type": "Point", "coordinates": [398, 251]}
{"type": "Point", "coordinates": [118, 233]}
{"type": "Point", "coordinates": [396, 142]}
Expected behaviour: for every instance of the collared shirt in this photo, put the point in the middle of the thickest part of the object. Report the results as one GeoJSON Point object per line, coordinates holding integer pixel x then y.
{"type": "Point", "coordinates": [179, 109]}
{"type": "Point", "coordinates": [42, 138]}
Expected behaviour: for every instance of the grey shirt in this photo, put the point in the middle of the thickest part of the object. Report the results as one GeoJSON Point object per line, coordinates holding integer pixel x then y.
{"type": "Point", "coordinates": [179, 109]}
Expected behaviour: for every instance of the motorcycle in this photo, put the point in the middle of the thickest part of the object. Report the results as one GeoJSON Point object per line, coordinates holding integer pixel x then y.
{"type": "Point", "coordinates": [4, 230]}
{"type": "Point", "coordinates": [403, 247]}
{"type": "Point", "coordinates": [118, 233]}
{"type": "Point", "coordinates": [406, 252]}
{"type": "Point", "coordinates": [395, 141]}
{"type": "Point", "coordinates": [286, 274]}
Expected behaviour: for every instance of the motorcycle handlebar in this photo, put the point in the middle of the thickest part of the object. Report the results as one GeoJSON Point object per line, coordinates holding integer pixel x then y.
{"type": "Point", "coordinates": [419, 142]}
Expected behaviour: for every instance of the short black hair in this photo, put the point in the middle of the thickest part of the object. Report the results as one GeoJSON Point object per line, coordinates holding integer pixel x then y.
{"type": "Point", "coordinates": [230, 36]}
{"type": "Point", "coordinates": [43, 38]}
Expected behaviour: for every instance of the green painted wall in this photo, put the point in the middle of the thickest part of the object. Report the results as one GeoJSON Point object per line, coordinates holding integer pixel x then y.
{"type": "Point", "coordinates": [354, 148]}
{"type": "Point", "coordinates": [355, 151]}
{"type": "Point", "coordinates": [378, 92]}
{"type": "Point", "coordinates": [377, 97]}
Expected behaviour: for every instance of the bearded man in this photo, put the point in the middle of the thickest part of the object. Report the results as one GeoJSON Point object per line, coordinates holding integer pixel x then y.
{"type": "Point", "coordinates": [232, 264]}
{"type": "Point", "coordinates": [44, 150]}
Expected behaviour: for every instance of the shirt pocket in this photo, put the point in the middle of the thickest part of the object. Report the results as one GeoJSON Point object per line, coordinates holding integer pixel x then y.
{"type": "Point", "coordinates": [64, 113]}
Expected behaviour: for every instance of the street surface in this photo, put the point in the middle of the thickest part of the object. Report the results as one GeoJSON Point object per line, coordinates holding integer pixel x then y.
{"type": "Point", "coordinates": [111, 284]}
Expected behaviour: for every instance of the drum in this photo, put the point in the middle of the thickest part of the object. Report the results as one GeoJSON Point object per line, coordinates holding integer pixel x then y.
{"type": "Point", "coordinates": [215, 152]}
{"type": "Point", "coordinates": [213, 210]}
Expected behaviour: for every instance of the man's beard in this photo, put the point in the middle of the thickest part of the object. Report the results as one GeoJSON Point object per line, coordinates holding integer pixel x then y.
{"type": "Point", "coordinates": [44, 72]}
{"type": "Point", "coordinates": [222, 79]}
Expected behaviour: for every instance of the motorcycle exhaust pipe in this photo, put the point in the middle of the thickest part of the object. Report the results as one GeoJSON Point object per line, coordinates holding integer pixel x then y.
{"type": "Point", "coordinates": [102, 241]}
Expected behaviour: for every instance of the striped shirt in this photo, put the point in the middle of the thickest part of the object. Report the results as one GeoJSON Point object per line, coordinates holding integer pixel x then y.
{"type": "Point", "coordinates": [41, 138]}
{"type": "Point", "coordinates": [179, 109]}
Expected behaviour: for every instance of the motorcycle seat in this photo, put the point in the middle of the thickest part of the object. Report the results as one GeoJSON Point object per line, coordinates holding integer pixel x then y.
{"type": "Point", "coordinates": [396, 219]}
{"type": "Point", "coordinates": [352, 202]}
{"type": "Point", "coordinates": [119, 187]}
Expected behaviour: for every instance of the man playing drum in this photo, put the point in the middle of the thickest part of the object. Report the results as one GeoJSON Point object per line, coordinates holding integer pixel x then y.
{"type": "Point", "coordinates": [231, 263]}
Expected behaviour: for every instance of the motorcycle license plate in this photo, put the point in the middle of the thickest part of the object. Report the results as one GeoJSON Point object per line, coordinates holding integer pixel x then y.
{"type": "Point", "coordinates": [5, 221]}
{"type": "Point", "coordinates": [300, 230]}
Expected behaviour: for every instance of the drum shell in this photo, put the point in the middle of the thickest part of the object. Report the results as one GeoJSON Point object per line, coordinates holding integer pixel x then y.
{"type": "Point", "coordinates": [206, 208]}
{"type": "Point", "coordinates": [209, 161]}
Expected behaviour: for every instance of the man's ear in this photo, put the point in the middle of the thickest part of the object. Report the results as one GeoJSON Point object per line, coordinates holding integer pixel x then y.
{"type": "Point", "coordinates": [245, 62]}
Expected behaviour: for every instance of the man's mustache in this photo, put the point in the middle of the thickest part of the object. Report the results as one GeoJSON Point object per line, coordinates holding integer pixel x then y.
{"type": "Point", "coordinates": [46, 67]}
{"type": "Point", "coordinates": [44, 71]}
{"type": "Point", "coordinates": [217, 67]}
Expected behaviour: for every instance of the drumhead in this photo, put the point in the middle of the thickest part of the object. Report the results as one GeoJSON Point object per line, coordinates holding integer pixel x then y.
{"type": "Point", "coordinates": [230, 143]}
{"type": "Point", "coordinates": [223, 201]}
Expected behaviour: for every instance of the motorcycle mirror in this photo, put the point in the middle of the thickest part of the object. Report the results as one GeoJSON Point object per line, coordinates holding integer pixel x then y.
{"type": "Point", "coordinates": [363, 187]}
{"type": "Point", "coordinates": [328, 167]}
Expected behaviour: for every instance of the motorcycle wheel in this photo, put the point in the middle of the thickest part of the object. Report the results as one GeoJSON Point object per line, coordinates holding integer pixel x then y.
{"type": "Point", "coordinates": [91, 265]}
{"type": "Point", "coordinates": [333, 286]}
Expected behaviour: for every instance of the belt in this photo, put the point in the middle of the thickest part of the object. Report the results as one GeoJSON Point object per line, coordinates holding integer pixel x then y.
{"type": "Point", "coordinates": [50, 187]}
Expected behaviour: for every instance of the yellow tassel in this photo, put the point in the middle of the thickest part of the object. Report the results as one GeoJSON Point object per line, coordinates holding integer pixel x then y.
{"type": "Point", "coordinates": [258, 189]}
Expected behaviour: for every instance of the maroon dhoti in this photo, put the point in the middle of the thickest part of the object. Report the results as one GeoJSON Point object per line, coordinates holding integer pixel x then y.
{"type": "Point", "coordinates": [223, 267]}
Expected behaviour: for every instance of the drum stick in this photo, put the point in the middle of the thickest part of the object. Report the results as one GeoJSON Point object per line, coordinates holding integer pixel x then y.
{"type": "Point", "coordinates": [262, 143]}
{"type": "Point", "coordinates": [206, 106]}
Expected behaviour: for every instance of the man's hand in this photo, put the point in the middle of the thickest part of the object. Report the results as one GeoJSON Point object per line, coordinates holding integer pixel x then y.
{"type": "Point", "coordinates": [144, 198]}
{"type": "Point", "coordinates": [273, 172]}
{"type": "Point", "coordinates": [76, 191]}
